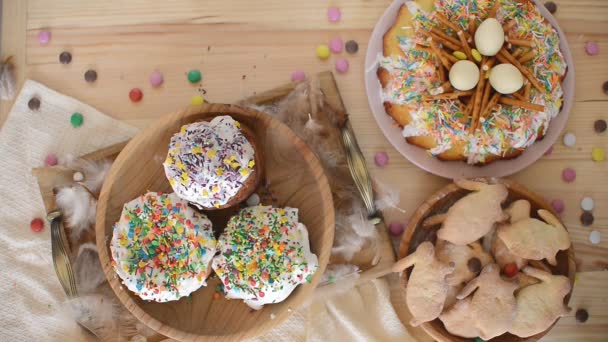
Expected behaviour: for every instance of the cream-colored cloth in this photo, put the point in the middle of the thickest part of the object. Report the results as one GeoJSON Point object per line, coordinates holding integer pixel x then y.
{"type": "Point", "coordinates": [29, 289]}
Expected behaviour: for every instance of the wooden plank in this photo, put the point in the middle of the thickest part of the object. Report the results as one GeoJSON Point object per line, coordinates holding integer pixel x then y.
{"type": "Point", "coordinates": [14, 19]}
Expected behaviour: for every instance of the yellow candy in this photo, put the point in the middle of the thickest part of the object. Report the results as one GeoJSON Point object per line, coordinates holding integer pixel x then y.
{"type": "Point", "coordinates": [251, 163]}
{"type": "Point", "coordinates": [197, 100]}
{"type": "Point", "coordinates": [215, 188]}
{"type": "Point", "coordinates": [244, 171]}
{"type": "Point", "coordinates": [183, 129]}
{"type": "Point", "coordinates": [197, 150]}
{"type": "Point", "coordinates": [323, 51]}
{"type": "Point", "coordinates": [219, 171]}
{"type": "Point", "coordinates": [597, 154]}
{"type": "Point", "coordinates": [476, 55]}
{"type": "Point", "coordinates": [237, 124]}
{"type": "Point", "coordinates": [460, 55]}
{"type": "Point", "coordinates": [205, 193]}
{"type": "Point", "coordinates": [210, 153]}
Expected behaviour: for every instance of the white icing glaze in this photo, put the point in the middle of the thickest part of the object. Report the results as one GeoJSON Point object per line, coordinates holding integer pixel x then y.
{"type": "Point", "coordinates": [145, 267]}
{"type": "Point", "coordinates": [208, 162]}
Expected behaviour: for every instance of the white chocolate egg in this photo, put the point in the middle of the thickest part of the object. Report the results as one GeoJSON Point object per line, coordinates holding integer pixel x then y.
{"type": "Point", "coordinates": [489, 37]}
{"type": "Point", "coordinates": [506, 78]}
{"type": "Point", "coordinates": [464, 75]}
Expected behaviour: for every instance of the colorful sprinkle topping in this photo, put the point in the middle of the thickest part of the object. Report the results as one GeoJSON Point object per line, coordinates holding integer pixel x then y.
{"type": "Point", "coordinates": [161, 248]}
{"type": "Point", "coordinates": [264, 255]}
{"type": "Point", "coordinates": [208, 162]}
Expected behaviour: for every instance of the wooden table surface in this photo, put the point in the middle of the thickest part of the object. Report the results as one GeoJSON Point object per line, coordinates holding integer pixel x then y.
{"type": "Point", "coordinates": [243, 47]}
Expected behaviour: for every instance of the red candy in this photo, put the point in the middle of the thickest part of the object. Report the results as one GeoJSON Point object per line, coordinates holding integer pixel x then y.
{"type": "Point", "coordinates": [37, 224]}
{"type": "Point", "coordinates": [510, 270]}
{"type": "Point", "coordinates": [136, 95]}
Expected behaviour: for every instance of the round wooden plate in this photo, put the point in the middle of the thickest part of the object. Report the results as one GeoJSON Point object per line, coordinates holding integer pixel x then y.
{"type": "Point", "coordinates": [296, 179]}
{"type": "Point", "coordinates": [439, 203]}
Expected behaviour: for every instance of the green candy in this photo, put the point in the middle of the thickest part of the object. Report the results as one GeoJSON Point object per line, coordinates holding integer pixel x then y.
{"type": "Point", "coordinates": [76, 120]}
{"type": "Point", "coordinates": [460, 55]}
{"type": "Point", "coordinates": [194, 75]}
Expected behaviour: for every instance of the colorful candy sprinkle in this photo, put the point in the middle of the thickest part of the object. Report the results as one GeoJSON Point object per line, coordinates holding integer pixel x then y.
{"type": "Point", "coordinates": [597, 154]}
{"type": "Point", "coordinates": [396, 228]}
{"type": "Point", "coordinates": [568, 175]}
{"type": "Point", "coordinates": [334, 14]}
{"type": "Point", "coordinates": [592, 48]}
{"type": "Point", "coordinates": [197, 100]}
{"type": "Point", "coordinates": [558, 205]}
{"type": "Point", "coordinates": [474, 265]}
{"type": "Point", "coordinates": [136, 95]}
{"type": "Point", "coordinates": [352, 47]}
{"type": "Point", "coordinates": [44, 37]}
{"type": "Point", "coordinates": [298, 76]}
{"type": "Point", "coordinates": [51, 160]}
{"type": "Point", "coordinates": [341, 65]}
{"type": "Point", "coordinates": [37, 225]}
{"type": "Point", "coordinates": [600, 126]}
{"type": "Point", "coordinates": [76, 120]}
{"type": "Point", "coordinates": [569, 139]}
{"type": "Point", "coordinates": [336, 45]}
{"type": "Point", "coordinates": [323, 52]}
{"type": "Point", "coordinates": [90, 76]}
{"type": "Point", "coordinates": [595, 237]}
{"type": "Point", "coordinates": [65, 57]}
{"type": "Point", "coordinates": [587, 218]}
{"type": "Point", "coordinates": [78, 176]}
{"type": "Point", "coordinates": [381, 159]}
{"type": "Point", "coordinates": [33, 103]}
{"type": "Point", "coordinates": [194, 75]}
{"type": "Point", "coordinates": [587, 203]}
{"type": "Point", "coordinates": [581, 315]}
{"type": "Point", "coordinates": [156, 79]}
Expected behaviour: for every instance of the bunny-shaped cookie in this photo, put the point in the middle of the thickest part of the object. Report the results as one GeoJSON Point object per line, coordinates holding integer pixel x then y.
{"type": "Point", "coordinates": [458, 320]}
{"type": "Point", "coordinates": [468, 260]}
{"type": "Point", "coordinates": [427, 287]}
{"type": "Point", "coordinates": [534, 239]}
{"type": "Point", "coordinates": [473, 215]}
{"type": "Point", "coordinates": [493, 304]}
{"type": "Point", "coordinates": [539, 305]}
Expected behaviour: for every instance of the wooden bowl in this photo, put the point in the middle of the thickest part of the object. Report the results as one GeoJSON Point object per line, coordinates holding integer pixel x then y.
{"type": "Point", "coordinates": [438, 203]}
{"type": "Point", "coordinates": [296, 179]}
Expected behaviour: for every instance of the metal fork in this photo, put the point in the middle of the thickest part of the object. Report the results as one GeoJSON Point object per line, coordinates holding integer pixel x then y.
{"type": "Point", "coordinates": [61, 255]}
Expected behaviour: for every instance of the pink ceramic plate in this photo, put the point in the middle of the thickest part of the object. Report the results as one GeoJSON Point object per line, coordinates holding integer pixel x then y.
{"type": "Point", "coordinates": [458, 169]}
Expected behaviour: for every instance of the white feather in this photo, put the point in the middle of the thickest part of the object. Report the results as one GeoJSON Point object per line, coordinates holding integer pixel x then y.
{"type": "Point", "coordinates": [353, 232]}
{"type": "Point", "coordinates": [387, 197]}
{"type": "Point", "coordinates": [87, 268]}
{"type": "Point", "coordinates": [337, 279]}
{"type": "Point", "coordinates": [7, 80]}
{"type": "Point", "coordinates": [312, 125]}
{"type": "Point", "coordinates": [94, 172]}
{"type": "Point", "coordinates": [78, 207]}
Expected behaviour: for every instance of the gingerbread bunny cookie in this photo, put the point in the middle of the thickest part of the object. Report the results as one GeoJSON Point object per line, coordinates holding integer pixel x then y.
{"type": "Point", "coordinates": [459, 321]}
{"type": "Point", "coordinates": [518, 210]}
{"type": "Point", "coordinates": [474, 215]}
{"type": "Point", "coordinates": [493, 304]}
{"type": "Point", "coordinates": [468, 260]}
{"type": "Point", "coordinates": [426, 288]}
{"type": "Point", "coordinates": [539, 305]}
{"type": "Point", "coordinates": [534, 239]}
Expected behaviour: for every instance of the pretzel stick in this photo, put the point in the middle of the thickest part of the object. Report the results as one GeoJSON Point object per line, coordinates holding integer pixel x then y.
{"type": "Point", "coordinates": [447, 96]}
{"type": "Point", "coordinates": [492, 13]}
{"type": "Point", "coordinates": [527, 89]}
{"type": "Point", "coordinates": [509, 25]}
{"type": "Point", "coordinates": [472, 25]}
{"type": "Point", "coordinates": [450, 57]}
{"type": "Point", "coordinates": [486, 96]}
{"type": "Point", "coordinates": [518, 53]}
{"type": "Point", "coordinates": [465, 45]}
{"type": "Point", "coordinates": [469, 106]}
{"type": "Point", "coordinates": [445, 36]}
{"type": "Point", "coordinates": [521, 42]}
{"type": "Point", "coordinates": [442, 73]}
{"type": "Point", "coordinates": [520, 96]}
{"type": "Point", "coordinates": [478, 98]}
{"type": "Point", "coordinates": [522, 104]}
{"type": "Point", "coordinates": [442, 19]}
{"type": "Point", "coordinates": [437, 52]}
{"type": "Point", "coordinates": [527, 57]}
{"type": "Point", "coordinates": [485, 113]}
{"type": "Point", "coordinates": [505, 55]}
{"type": "Point", "coordinates": [440, 40]}
{"type": "Point", "coordinates": [446, 86]}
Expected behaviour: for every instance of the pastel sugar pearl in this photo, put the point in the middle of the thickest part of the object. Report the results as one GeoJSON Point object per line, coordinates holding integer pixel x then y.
{"type": "Point", "coordinates": [381, 159]}
{"type": "Point", "coordinates": [156, 79]}
{"type": "Point", "coordinates": [298, 76]}
{"type": "Point", "coordinates": [342, 65]}
{"type": "Point", "coordinates": [334, 14]}
{"type": "Point", "coordinates": [336, 45]}
{"type": "Point", "coordinates": [44, 37]}
{"type": "Point", "coordinates": [395, 228]}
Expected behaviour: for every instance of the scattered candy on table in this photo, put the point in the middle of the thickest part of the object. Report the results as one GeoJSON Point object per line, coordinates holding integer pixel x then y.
{"type": "Point", "coordinates": [381, 159]}
{"type": "Point", "coordinates": [51, 160]}
{"type": "Point", "coordinates": [336, 45]}
{"type": "Point", "coordinates": [194, 75]}
{"type": "Point", "coordinates": [597, 154]}
{"type": "Point", "coordinates": [595, 237]}
{"type": "Point", "coordinates": [33, 103]}
{"type": "Point", "coordinates": [587, 203]}
{"type": "Point", "coordinates": [568, 175]}
{"type": "Point", "coordinates": [78, 176]}
{"type": "Point", "coordinates": [76, 120]}
{"type": "Point", "coordinates": [558, 205]}
{"type": "Point", "coordinates": [37, 224]}
{"type": "Point", "coordinates": [65, 57]}
{"type": "Point", "coordinates": [322, 51]}
{"type": "Point", "coordinates": [341, 65]}
{"type": "Point", "coordinates": [334, 14]}
{"type": "Point", "coordinates": [600, 126]}
{"type": "Point", "coordinates": [605, 87]}
{"type": "Point", "coordinates": [551, 7]}
{"type": "Point", "coordinates": [156, 79]}
{"type": "Point", "coordinates": [253, 200]}
{"type": "Point", "coordinates": [587, 218]}
{"type": "Point", "coordinates": [298, 76]}
{"type": "Point", "coordinates": [136, 95]}
{"type": "Point", "coordinates": [44, 37]}
{"type": "Point", "coordinates": [197, 100]}
{"type": "Point", "coordinates": [90, 76]}
{"type": "Point", "coordinates": [569, 139]}
{"type": "Point", "coordinates": [352, 47]}
{"type": "Point", "coordinates": [592, 48]}
{"type": "Point", "coordinates": [396, 228]}
{"type": "Point", "coordinates": [581, 315]}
